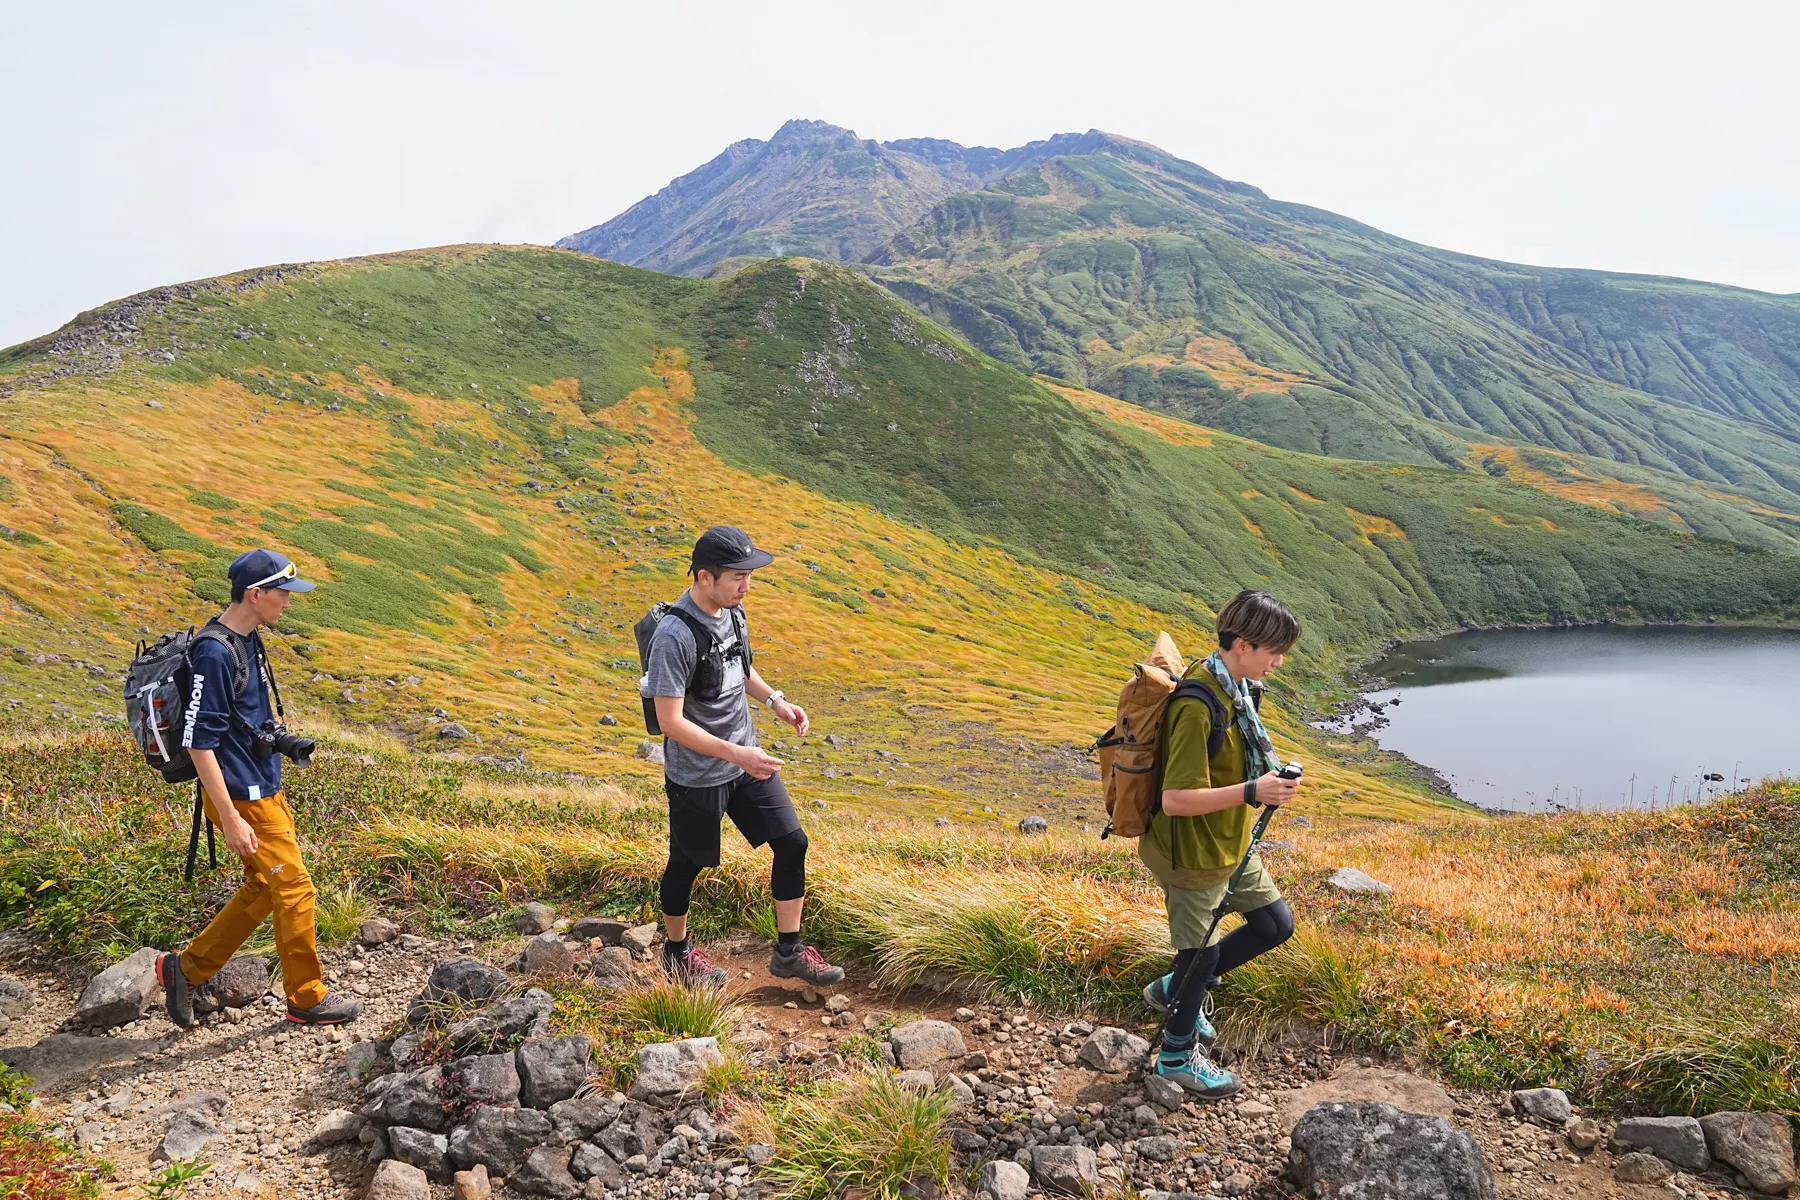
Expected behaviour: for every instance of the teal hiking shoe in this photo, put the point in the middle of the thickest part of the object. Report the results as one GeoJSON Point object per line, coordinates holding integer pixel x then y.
{"type": "Point", "coordinates": [1156, 995]}
{"type": "Point", "coordinates": [1196, 1073]}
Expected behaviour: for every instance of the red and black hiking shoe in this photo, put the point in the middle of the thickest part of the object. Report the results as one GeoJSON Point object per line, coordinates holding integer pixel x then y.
{"type": "Point", "coordinates": [805, 963]}
{"type": "Point", "coordinates": [175, 990]}
{"type": "Point", "coordinates": [332, 1010]}
{"type": "Point", "coordinates": [692, 967]}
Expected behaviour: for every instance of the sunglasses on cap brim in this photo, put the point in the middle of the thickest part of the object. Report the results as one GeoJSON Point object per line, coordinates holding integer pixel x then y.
{"type": "Point", "coordinates": [288, 572]}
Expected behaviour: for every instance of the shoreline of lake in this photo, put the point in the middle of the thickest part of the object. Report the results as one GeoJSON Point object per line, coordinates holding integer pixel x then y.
{"type": "Point", "coordinates": [1497, 659]}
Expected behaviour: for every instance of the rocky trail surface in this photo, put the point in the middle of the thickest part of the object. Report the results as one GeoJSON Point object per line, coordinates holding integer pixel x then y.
{"type": "Point", "coordinates": [487, 1103]}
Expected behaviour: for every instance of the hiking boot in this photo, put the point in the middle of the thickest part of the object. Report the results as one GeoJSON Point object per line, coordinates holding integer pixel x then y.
{"type": "Point", "coordinates": [805, 963]}
{"type": "Point", "coordinates": [693, 968]}
{"type": "Point", "coordinates": [332, 1010]}
{"type": "Point", "coordinates": [175, 990]}
{"type": "Point", "coordinates": [1156, 995]}
{"type": "Point", "coordinates": [1196, 1073]}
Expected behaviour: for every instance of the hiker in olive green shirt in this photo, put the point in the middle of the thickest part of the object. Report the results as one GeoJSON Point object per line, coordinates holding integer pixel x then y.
{"type": "Point", "coordinates": [1200, 834]}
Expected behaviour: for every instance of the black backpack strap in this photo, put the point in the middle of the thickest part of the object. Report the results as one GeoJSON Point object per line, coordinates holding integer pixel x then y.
{"type": "Point", "coordinates": [703, 638]}
{"type": "Point", "coordinates": [240, 668]}
{"type": "Point", "coordinates": [743, 635]}
{"type": "Point", "coordinates": [1195, 689]}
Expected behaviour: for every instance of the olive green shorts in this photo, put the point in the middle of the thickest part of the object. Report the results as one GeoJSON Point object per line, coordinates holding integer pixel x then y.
{"type": "Point", "coordinates": [1191, 909]}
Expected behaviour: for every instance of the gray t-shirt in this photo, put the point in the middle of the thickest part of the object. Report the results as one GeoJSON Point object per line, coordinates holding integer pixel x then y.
{"type": "Point", "coordinates": [672, 660]}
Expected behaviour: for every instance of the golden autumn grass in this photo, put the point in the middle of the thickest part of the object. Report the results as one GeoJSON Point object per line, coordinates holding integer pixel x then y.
{"type": "Point", "coordinates": [970, 655]}
{"type": "Point", "coordinates": [1631, 957]}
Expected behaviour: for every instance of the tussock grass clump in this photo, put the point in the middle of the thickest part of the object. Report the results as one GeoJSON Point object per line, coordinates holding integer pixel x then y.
{"type": "Point", "coordinates": [620, 1021]}
{"type": "Point", "coordinates": [866, 1138]}
{"type": "Point", "coordinates": [339, 912]}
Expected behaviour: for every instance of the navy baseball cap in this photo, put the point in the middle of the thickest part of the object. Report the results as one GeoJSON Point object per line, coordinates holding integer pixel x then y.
{"type": "Point", "coordinates": [727, 548]}
{"type": "Point", "coordinates": [266, 569]}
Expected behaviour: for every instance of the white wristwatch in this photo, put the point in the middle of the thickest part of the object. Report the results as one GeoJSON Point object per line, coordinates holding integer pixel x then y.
{"type": "Point", "coordinates": [772, 697]}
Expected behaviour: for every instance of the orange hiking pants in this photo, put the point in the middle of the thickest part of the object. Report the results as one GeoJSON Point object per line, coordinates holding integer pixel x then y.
{"type": "Point", "coordinates": [275, 881]}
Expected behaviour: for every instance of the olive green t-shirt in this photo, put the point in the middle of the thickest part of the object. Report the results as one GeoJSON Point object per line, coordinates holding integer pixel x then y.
{"type": "Point", "coordinates": [1213, 840]}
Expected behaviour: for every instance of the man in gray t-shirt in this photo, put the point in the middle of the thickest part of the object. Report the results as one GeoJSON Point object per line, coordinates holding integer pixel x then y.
{"type": "Point", "coordinates": [699, 672]}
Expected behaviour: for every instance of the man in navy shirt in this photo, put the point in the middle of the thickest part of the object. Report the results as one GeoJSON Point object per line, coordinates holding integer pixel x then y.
{"type": "Point", "coordinates": [228, 702]}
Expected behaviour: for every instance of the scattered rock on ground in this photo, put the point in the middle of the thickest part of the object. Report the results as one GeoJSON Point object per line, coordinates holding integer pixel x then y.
{"type": "Point", "coordinates": [120, 993]}
{"type": "Point", "coordinates": [60, 1057]}
{"type": "Point", "coordinates": [16, 997]}
{"type": "Point", "coordinates": [498, 1138]}
{"type": "Point", "coordinates": [377, 930]}
{"type": "Point", "coordinates": [668, 1071]}
{"type": "Point", "coordinates": [1034, 824]}
{"type": "Point", "coordinates": [1070, 1170]}
{"type": "Point", "coordinates": [547, 954]}
{"type": "Point", "coordinates": [430, 1152]}
{"type": "Point", "coordinates": [240, 983]}
{"type": "Point", "coordinates": [338, 1125]}
{"type": "Point", "coordinates": [545, 1173]}
{"type": "Point", "coordinates": [921, 1043]}
{"type": "Point", "coordinates": [552, 1069]}
{"type": "Point", "coordinates": [395, 1180]}
{"type": "Point", "coordinates": [1547, 1104]}
{"type": "Point", "coordinates": [472, 1184]}
{"type": "Point", "coordinates": [188, 1134]}
{"type": "Point", "coordinates": [535, 918]}
{"type": "Point", "coordinates": [1349, 879]}
{"type": "Point", "coordinates": [1113, 1050]}
{"type": "Point", "coordinates": [607, 929]}
{"type": "Point", "coordinates": [1374, 1149]}
{"type": "Point", "coordinates": [1640, 1167]}
{"type": "Point", "coordinates": [1005, 1180]}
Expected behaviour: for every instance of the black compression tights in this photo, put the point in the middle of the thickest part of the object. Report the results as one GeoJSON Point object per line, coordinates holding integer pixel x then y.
{"type": "Point", "coordinates": [787, 877]}
{"type": "Point", "coordinates": [1263, 930]}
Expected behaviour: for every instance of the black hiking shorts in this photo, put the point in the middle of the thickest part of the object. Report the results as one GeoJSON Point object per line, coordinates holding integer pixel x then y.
{"type": "Point", "coordinates": [760, 808]}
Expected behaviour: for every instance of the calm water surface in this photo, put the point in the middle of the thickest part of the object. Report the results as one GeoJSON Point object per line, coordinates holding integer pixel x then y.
{"type": "Point", "coordinates": [1594, 717]}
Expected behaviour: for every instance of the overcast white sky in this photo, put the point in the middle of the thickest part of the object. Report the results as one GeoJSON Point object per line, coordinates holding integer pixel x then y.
{"type": "Point", "coordinates": [148, 144]}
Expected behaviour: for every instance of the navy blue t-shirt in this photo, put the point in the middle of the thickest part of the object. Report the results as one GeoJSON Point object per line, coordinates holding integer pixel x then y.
{"type": "Point", "coordinates": [209, 725]}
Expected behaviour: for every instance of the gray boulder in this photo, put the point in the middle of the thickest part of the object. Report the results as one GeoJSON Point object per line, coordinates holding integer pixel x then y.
{"type": "Point", "coordinates": [667, 1071]}
{"type": "Point", "coordinates": [16, 997]}
{"type": "Point", "coordinates": [1364, 1148]}
{"type": "Point", "coordinates": [1005, 1180]}
{"type": "Point", "coordinates": [534, 918]}
{"type": "Point", "coordinates": [413, 1098]}
{"type": "Point", "coordinates": [1159, 1148]}
{"type": "Point", "coordinates": [1069, 1170]}
{"type": "Point", "coordinates": [430, 1152]}
{"type": "Point", "coordinates": [1640, 1167]}
{"type": "Point", "coordinates": [1679, 1140]}
{"type": "Point", "coordinates": [611, 967]}
{"type": "Point", "coordinates": [591, 1162]}
{"type": "Point", "coordinates": [545, 1173]}
{"type": "Point", "coordinates": [608, 929]}
{"type": "Point", "coordinates": [1165, 1093]}
{"type": "Point", "coordinates": [486, 1079]}
{"type": "Point", "coordinates": [188, 1134]}
{"type": "Point", "coordinates": [396, 1180]}
{"type": "Point", "coordinates": [639, 939]}
{"type": "Point", "coordinates": [1349, 879]}
{"type": "Point", "coordinates": [364, 1059]}
{"type": "Point", "coordinates": [547, 954]}
{"type": "Point", "coordinates": [553, 1069]}
{"type": "Point", "coordinates": [120, 993]}
{"type": "Point", "coordinates": [338, 1125]}
{"type": "Point", "coordinates": [1034, 825]}
{"type": "Point", "coordinates": [494, 1027]}
{"type": "Point", "coordinates": [579, 1119]}
{"type": "Point", "coordinates": [377, 930]}
{"type": "Point", "coordinates": [498, 1138]}
{"type": "Point", "coordinates": [1546, 1104]}
{"type": "Point", "coordinates": [240, 983]}
{"type": "Point", "coordinates": [1113, 1050]}
{"type": "Point", "coordinates": [458, 979]}
{"type": "Point", "coordinates": [1759, 1144]}
{"type": "Point", "coordinates": [622, 1140]}
{"type": "Point", "coordinates": [960, 1093]}
{"type": "Point", "coordinates": [650, 751]}
{"type": "Point", "coordinates": [60, 1057]}
{"type": "Point", "coordinates": [921, 1043]}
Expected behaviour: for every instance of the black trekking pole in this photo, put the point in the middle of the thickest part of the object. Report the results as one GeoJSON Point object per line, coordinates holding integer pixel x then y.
{"type": "Point", "coordinates": [1291, 771]}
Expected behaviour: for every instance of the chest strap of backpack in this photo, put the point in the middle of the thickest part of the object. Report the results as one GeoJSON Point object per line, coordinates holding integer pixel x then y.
{"type": "Point", "coordinates": [703, 637]}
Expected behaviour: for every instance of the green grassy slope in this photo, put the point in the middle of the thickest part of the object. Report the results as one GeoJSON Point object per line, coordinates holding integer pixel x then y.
{"type": "Point", "coordinates": [496, 458]}
{"type": "Point", "coordinates": [1115, 268]}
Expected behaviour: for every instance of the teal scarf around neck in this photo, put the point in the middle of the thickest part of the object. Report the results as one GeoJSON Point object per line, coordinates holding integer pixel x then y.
{"type": "Point", "coordinates": [1259, 752]}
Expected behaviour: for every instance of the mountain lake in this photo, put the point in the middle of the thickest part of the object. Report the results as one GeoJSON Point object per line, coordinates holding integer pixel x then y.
{"type": "Point", "coordinates": [1593, 717]}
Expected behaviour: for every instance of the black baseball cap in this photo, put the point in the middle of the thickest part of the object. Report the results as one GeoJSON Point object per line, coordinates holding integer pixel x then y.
{"type": "Point", "coordinates": [266, 569]}
{"type": "Point", "coordinates": [727, 548]}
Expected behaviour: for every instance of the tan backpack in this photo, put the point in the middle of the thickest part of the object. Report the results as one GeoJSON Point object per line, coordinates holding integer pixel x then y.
{"type": "Point", "coordinates": [1131, 752]}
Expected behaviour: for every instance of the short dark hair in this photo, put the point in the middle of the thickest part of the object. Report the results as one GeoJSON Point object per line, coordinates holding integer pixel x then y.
{"type": "Point", "coordinates": [237, 594]}
{"type": "Point", "coordinates": [1261, 620]}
